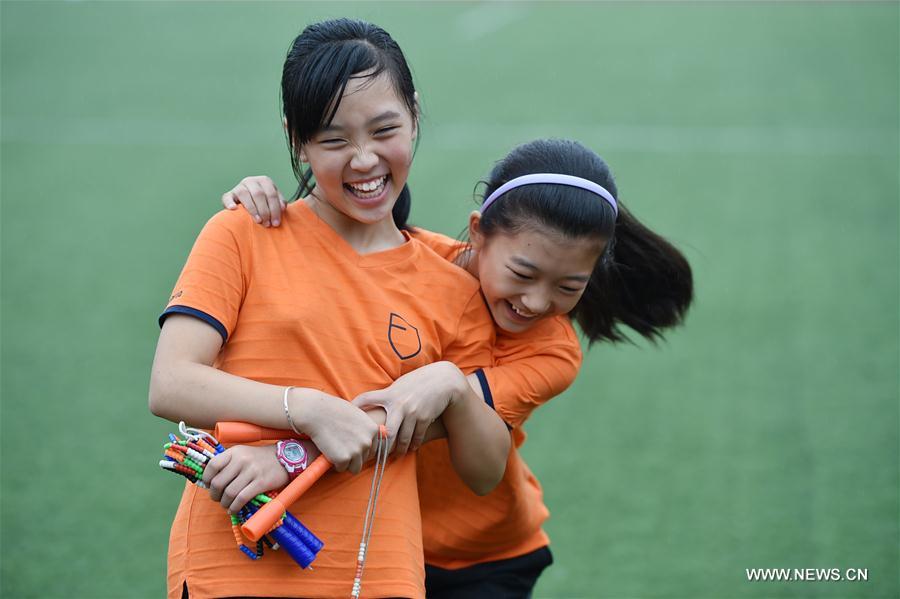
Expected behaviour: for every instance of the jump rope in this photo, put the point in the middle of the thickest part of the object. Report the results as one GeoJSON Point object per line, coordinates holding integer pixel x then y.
{"type": "Point", "coordinates": [265, 519]}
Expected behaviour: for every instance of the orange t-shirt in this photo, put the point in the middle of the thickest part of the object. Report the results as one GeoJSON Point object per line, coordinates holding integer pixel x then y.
{"type": "Point", "coordinates": [460, 528]}
{"type": "Point", "coordinates": [298, 306]}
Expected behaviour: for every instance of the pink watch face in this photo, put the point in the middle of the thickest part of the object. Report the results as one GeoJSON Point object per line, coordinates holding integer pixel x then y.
{"type": "Point", "coordinates": [292, 456]}
{"type": "Point", "coordinates": [293, 453]}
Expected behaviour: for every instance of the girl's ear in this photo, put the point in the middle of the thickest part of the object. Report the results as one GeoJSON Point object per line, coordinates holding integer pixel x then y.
{"type": "Point", "coordinates": [476, 237]}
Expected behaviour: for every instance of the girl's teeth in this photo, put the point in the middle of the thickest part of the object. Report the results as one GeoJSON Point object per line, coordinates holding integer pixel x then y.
{"type": "Point", "coordinates": [368, 185]}
{"type": "Point", "coordinates": [517, 311]}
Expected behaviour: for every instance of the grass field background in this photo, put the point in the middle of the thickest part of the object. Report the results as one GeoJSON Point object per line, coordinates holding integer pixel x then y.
{"type": "Point", "coordinates": [762, 138]}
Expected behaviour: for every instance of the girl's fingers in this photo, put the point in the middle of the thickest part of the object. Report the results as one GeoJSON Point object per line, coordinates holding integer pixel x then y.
{"type": "Point", "coordinates": [370, 399]}
{"type": "Point", "coordinates": [229, 200]}
{"type": "Point", "coordinates": [239, 492]}
{"type": "Point", "coordinates": [340, 465]}
{"type": "Point", "coordinates": [419, 435]}
{"type": "Point", "coordinates": [214, 467]}
{"type": "Point", "coordinates": [243, 195]}
{"type": "Point", "coordinates": [404, 436]}
{"type": "Point", "coordinates": [392, 422]}
{"type": "Point", "coordinates": [273, 199]}
{"type": "Point", "coordinates": [221, 481]}
{"type": "Point", "coordinates": [258, 195]}
{"type": "Point", "coordinates": [356, 464]}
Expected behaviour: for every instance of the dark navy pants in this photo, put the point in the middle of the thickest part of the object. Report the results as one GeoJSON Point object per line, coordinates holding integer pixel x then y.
{"type": "Point", "coordinates": [512, 578]}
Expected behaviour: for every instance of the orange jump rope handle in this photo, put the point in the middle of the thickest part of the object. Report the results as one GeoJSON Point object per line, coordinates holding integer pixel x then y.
{"type": "Point", "coordinates": [263, 520]}
{"type": "Point", "coordinates": [229, 433]}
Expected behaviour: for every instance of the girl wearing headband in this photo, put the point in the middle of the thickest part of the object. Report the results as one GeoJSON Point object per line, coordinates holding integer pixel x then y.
{"type": "Point", "coordinates": [552, 244]}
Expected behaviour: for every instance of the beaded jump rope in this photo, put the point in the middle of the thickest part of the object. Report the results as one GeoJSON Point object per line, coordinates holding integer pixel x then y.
{"type": "Point", "coordinates": [304, 551]}
{"type": "Point", "coordinates": [188, 457]}
{"type": "Point", "coordinates": [381, 457]}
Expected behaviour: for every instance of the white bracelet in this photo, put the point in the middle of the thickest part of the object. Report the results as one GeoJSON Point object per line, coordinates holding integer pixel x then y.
{"type": "Point", "coordinates": [287, 412]}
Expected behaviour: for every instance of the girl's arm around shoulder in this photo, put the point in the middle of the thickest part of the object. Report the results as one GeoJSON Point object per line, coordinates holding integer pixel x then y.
{"type": "Point", "coordinates": [477, 438]}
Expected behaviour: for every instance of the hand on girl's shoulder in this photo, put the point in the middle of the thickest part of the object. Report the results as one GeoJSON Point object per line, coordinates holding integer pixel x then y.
{"type": "Point", "coordinates": [260, 199]}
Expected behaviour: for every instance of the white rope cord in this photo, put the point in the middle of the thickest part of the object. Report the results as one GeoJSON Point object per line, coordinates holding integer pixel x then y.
{"type": "Point", "coordinates": [381, 457]}
{"type": "Point", "coordinates": [195, 433]}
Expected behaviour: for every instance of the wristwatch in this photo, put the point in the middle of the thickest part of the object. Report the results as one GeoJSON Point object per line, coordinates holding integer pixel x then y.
{"type": "Point", "coordinates": [292, 456]}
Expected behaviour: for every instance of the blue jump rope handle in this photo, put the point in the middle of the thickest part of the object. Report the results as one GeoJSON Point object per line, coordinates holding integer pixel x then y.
{"type": "Point", "coordinates": [296, 539]}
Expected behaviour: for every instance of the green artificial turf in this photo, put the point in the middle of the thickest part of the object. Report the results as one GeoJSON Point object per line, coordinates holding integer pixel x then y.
{"type": "Point", "coordinates": [762, 138]}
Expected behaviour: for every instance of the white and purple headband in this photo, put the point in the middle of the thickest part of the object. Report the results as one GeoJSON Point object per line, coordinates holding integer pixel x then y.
{"type": "Point", "coordinates": [556, 179]}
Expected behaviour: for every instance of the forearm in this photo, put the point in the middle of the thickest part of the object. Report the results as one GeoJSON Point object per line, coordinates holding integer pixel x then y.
{"type": "Point", "coordinates": [202, 395]}
{"type": "Point", "coordinates": [478, 439]}
{"type": "Point", "coordinates": [437, 430]}
{"type": "Point", "coordinates": [185, 386]}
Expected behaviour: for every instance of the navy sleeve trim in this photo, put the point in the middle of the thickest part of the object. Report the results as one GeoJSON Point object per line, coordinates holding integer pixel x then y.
{"type": "Point", "coordinates": [211, 321]}
{"type": "Point", "coordinates": [486, 390]}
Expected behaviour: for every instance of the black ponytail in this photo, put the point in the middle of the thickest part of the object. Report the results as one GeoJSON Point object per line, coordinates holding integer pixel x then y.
{"type": "Point", "coordinates": [641, 280]}
{"type": "Point", "coordinates": [401, 208]}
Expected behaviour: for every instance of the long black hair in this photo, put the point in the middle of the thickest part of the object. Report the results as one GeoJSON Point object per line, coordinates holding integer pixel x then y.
{"type": "Point", "coordinates": [641, 280]}
{"type": "Point", "coordinates": [319, 63]}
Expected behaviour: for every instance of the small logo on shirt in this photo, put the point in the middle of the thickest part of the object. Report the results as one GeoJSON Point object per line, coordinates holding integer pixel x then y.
{"type": "Point", "coordinates": [403, 337]}
{"type": "Point", "coordinates": [175, 295]}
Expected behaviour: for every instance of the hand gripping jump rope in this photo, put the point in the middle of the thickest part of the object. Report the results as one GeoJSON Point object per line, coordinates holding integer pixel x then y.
{"type": "Point", "coordinates": [265, 519]}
